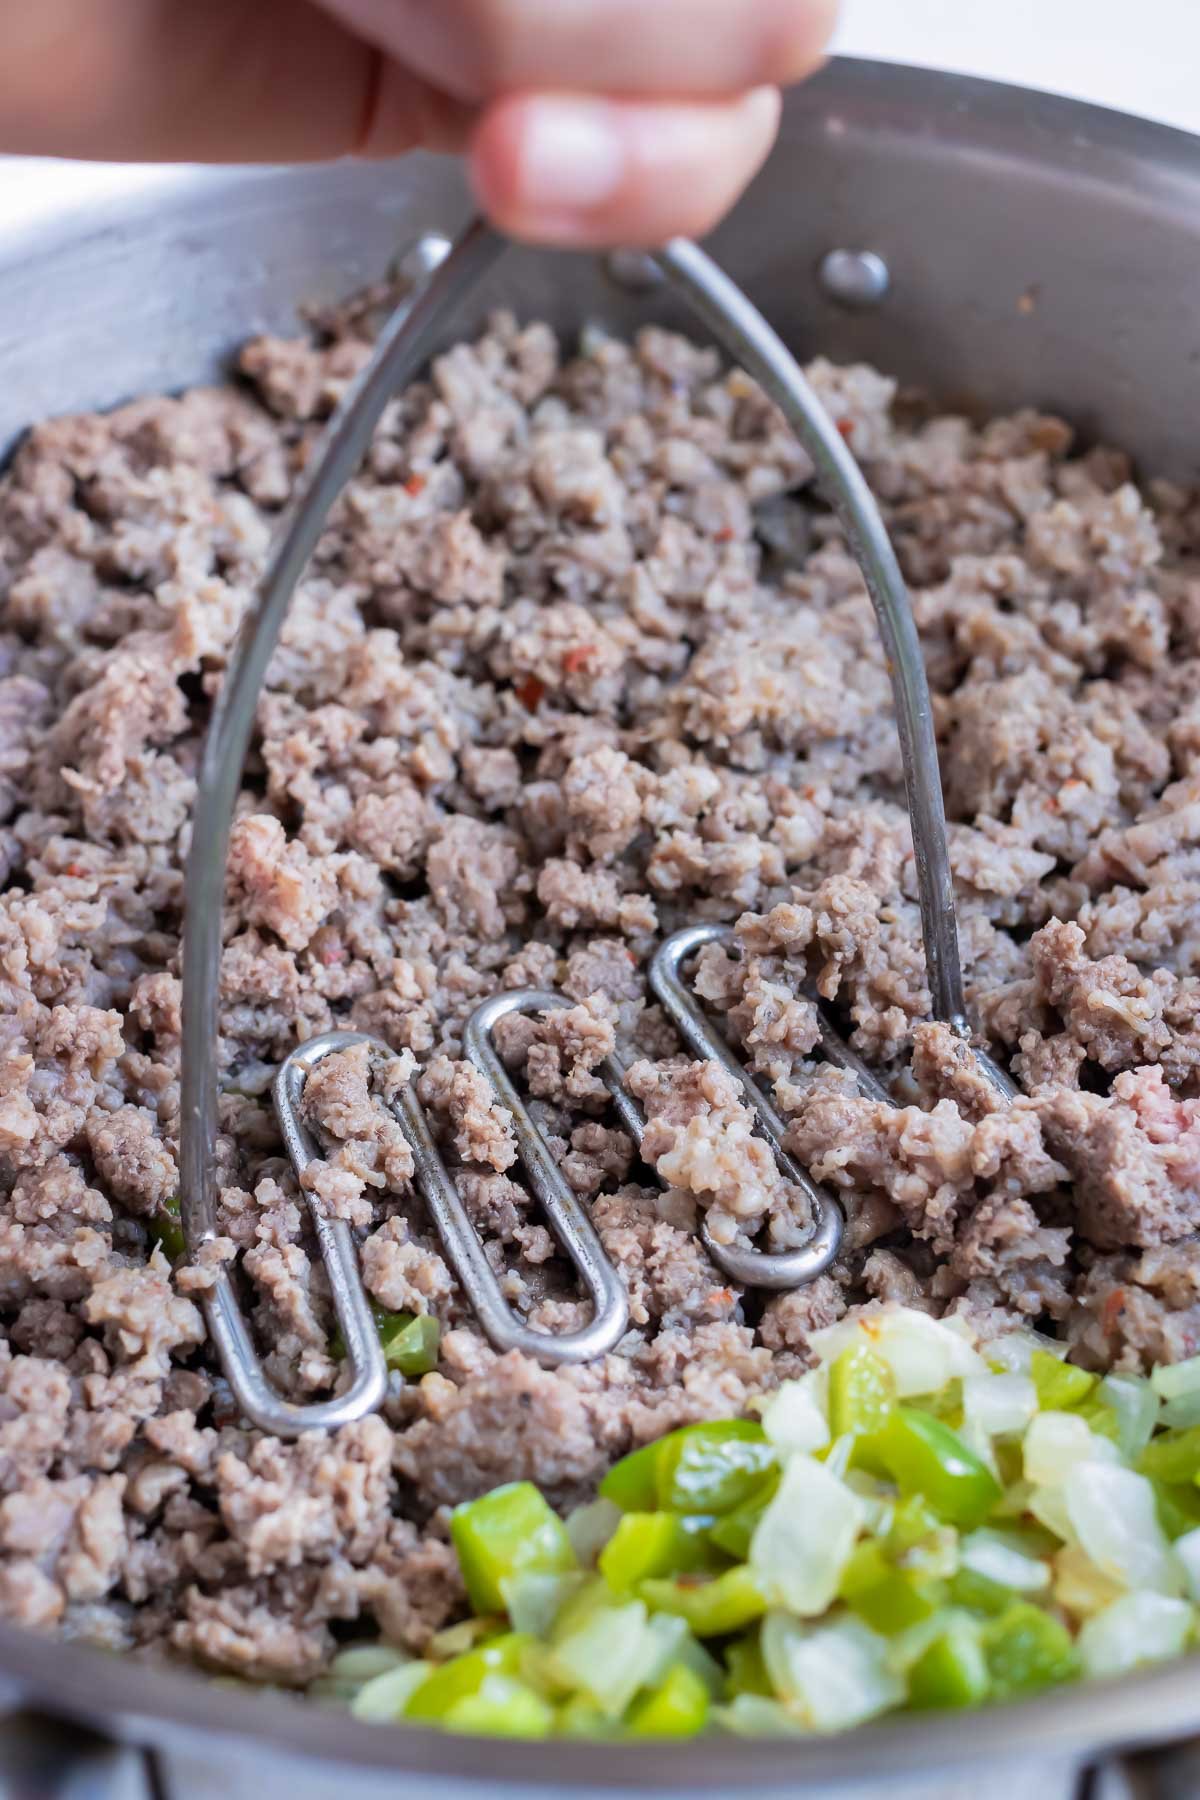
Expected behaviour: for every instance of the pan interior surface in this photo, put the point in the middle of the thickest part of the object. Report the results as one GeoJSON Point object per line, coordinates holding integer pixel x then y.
{"type": "Point", "coordinates": [1035, 251]}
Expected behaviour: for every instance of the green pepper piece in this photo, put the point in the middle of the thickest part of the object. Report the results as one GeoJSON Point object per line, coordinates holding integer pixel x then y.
{"type": "Point", "coordinates": [734, 1532]}
{"type": "Point", "coordinates": [631, 1483]}
{"type": "Point", "coordinates": [862, 1393]}
{"type": "Point", "coordinates": [166, 1228]}
{"type": "Point", "coordinates": [1099, 1416]}
{"type": "Point", "coordinates": [1178, 1505]}
{"type": "Point", "coordinates": [711, 1605]}
{"type": "Point", "coordinates": [508, 1532]}
{"type": "Point", "coordinates": [646, 1544]}
{"type": "Point", "coordinates": [1172, 1456]}
{"type": "Point", "coordinates": [677, 1708]}
{"type": "Point", "coordinates": [501, 1706]}
{"type": "Point", "coordinates": [886, 1598]}
{"type": "Point", "coordinates": [1027, 1649]}
{"type": "Point", "coordinates": [979, 1593]}
{"type": "Point", "coordinates": [1059, 1385]}
{"type": "Point", "coordinates": [951, 1671]}
{"type": "Point", "coordinates": [923, 1456]}
{"type": "Point", "coordinates": [946, 1404]}
{"type": "Point", "coordinates": [713, 1468]}
{"type": "Point", "coordinates": [451, 1682]}
{"type": "Point", "coordinates": [410, 1342]}
{"type": "Point", "coordinates": [580, 1717]}
{"type": "Point", "coordinates": [746, 1668]}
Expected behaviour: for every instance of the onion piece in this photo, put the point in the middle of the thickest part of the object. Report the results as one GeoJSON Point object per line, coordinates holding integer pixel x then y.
{"type": "Point", "coordinates": [1136, 1629]}
{"type": "Point", "coordinates": [804, 1539]}
{"type": "Point", "coordinates": [1114, 1516]}
{"type": "Point", "coordinates": [834, 1676]}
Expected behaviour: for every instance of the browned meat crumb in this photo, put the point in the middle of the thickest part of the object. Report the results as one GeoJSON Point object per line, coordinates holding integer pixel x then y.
{"type": "Point", "coordinates": [548, 690]}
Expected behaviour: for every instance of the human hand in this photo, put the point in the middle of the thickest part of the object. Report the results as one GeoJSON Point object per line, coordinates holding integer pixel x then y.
{"type": "Point", "coordinates": [585, 122]}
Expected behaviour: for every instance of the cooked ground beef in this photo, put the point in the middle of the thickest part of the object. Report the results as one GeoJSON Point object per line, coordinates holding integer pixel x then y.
{"type": "Point", "coordinates": [549, 690]}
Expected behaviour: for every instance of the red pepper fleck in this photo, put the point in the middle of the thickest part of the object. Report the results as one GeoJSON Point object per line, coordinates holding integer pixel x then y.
{"type": "Point", "coordinates": [724, 535]}
{"type": "Point", "coordinates": [530, 692]}
{"type": "Point", "coordinates": [1114, 1306]}
{"type": "Point", "coordinates": [416, 484]}
{"type": "Point", "coordinates": [332, 954]}
{"type": "Point", "coordinates": [846, 427]}
{"type": "Point", "coordinates": [578, 658]}
{"type": "Point", "coordinates": [75, 869]}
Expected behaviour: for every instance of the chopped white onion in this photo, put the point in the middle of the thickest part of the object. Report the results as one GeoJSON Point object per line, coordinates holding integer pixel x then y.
{"type": "Point", "coordinates": [998, 1405]}
{"type": "Point", "coordinates": [834, 1675]}
{"type": "Point", "coordinates": [989, 1553]}
{"type": "Point", "coordinates": [804, 1539]}
{"type": "Point", "coordinates": [1014, 1350]}
{"type": "Point", "coordinates": [1171, 1380]}
{"type": "Point", "coordinates": [1136, 1629]}
{"type": "Point", "coordinates": [1136, 1405]}
{"type": "Point", "coordinates": [1048, 1506]}
{"type": "Point", "coordinates": [1182, 1412]}
{"type": "Point", "coordinates": [611, 1655]}
{"type": "Point", "coordinates": [383, 1700]}
{"type": "Point", "coordinates": [794, 1417]}
{"type": "Point", "coordinates": [922, 1353]}
{"type": "Point", "coordinates": [534, 1601]}
{"type": "Point", "coordinates": [589, 1528]}
{"type": "Point", "coordinates": [1055, 1442]}
{"type": "Point", "coordinates": [1115, 1519]}
{"type": "Point", "coordinates": [754, 1716]}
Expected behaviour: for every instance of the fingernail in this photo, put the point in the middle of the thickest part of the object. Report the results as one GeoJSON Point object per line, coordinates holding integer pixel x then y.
{"type": "Point", "coordinates": [572, 157]}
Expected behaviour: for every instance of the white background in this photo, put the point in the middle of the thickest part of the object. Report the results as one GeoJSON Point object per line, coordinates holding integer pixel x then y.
{"type": "Point", "coordinates": [1140, 55]}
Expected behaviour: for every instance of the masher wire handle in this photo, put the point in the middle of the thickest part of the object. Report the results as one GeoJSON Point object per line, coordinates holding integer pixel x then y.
{"type": "Point", "coordinates": [743, 331]}
{"type": "Point", "coordinates": [399, 353]}
{"type": "Point", "coordinates": [402, 347]}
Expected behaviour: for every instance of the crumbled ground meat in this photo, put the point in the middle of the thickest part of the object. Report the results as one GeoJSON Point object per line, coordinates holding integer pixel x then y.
{"type": "Point", "coordinates": [550, 688]}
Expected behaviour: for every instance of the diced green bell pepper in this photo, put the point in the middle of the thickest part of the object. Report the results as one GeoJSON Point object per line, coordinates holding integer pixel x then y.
{"type": "Point", "coordinates": [677, 1707]}
{"type": "Point", "coordinates": [862, 1393]}
{"type": "Point", "coordinates": [508, 1532]}
{"type": "Point", "coordinates": [1173, 1456]}
{"type": "Point", "coordinates": [923, 1456]}
{"type": "Point", "coordinates": [166, 1228]}
{"type": "Point", "coordinates": [451, 1682]}
{"type": "Point", "coordinates": [745, 1667]}
{"type": "Point", "coordinates": [409, 1341]}
{"type": "Point", "coordinates": [632, 1483]}
{"type": "Point", "coordinates": [501, 1706]}
{"type": "Point", "coordinates": [1099, 1416]}
{"type": "Point", "coordinates": [979, 1593]}
{"type": "Point", "coordinates": [886, 1598]}
{"type": "Point", "coordinates": [1059, 1385]}
{"type": "Point", "coordinates": [711, 1605]}
{"type": "Point", "coordinates": [648, 1544]}
{"type": "Point", "coordinates": [951, 1671]}
{"type": "Point", "coordinates": [713, 1468]}
{"type": "Point", "coordinates": [733, 1532]}
{"type": "Point", "coordinates": [580, 1717]}
{"type": "Point", "coordinates": [1178, 1505]}
{"type": "Point", "coordinates": [1027, 1649]}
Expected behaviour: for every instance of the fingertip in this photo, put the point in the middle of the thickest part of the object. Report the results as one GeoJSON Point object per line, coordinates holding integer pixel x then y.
{"type": "Point", "coordinates": [800, 39]}
{"type": "Point", "coordinates": [586, 173]}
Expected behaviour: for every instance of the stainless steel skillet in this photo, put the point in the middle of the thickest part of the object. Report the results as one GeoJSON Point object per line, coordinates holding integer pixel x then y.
{"type": "Point", "coordinates": [1037, 251]}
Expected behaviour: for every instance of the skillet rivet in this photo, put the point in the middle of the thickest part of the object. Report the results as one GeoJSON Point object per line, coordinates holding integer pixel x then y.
{"type": "Point", "coordinates": [854, 278]}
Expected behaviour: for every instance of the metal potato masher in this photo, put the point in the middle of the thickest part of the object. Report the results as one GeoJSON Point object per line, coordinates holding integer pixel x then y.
{"type": "Point", "coordinates": [403, 344]}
